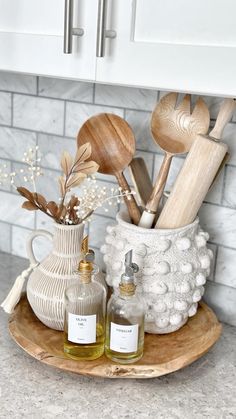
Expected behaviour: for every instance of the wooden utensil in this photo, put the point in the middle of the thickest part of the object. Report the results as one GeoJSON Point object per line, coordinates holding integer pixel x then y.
{"type": "Point", "coordinates": [174, 130]}
{"type": "Point", "coordinates": [197, 174]}
{"type": "Point", "coordinates": [225, 114]}
{"type": "Point", "coordinates": [113, 147]}
{"type": "Point", "coordinates": [141, 179]}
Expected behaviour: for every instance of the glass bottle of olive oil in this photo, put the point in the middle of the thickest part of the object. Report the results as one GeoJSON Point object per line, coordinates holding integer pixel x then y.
{"type": "Point", "coordinates": [125, 319]}
{"type": "Point", "coordinates": [84, 328]}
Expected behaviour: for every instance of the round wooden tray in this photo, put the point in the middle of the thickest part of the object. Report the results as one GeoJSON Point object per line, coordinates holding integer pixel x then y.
{"type": "Point", "coordinates": [162, 353]}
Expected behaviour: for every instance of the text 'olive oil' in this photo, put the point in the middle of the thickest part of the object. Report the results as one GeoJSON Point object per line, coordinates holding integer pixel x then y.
{"type": "Point", "coordinates": [84, 329]}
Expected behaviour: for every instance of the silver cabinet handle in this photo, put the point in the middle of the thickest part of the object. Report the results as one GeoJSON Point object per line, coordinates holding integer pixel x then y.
{"type": "Point", "coordinates": [69, 31]}
{"type": "Point", "coordinates": [102, 33]}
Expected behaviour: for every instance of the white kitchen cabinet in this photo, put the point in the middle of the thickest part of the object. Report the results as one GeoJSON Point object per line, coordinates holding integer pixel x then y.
{"type": "Point", "coordinates": [183, 45]}
{"type": "Point", "coordinates": [31, 38]}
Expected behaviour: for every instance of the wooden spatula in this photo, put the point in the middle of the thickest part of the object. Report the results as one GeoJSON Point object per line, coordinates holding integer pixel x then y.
{"type": "Point", "coordinates": [141, 179]}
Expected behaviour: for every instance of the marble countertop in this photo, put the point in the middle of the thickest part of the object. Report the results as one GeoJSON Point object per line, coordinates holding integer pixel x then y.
{"type": "Point", "coordinates": [29, 389]}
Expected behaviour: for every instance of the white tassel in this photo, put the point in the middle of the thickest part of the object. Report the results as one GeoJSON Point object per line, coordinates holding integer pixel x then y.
{"type": "Point", "coordinates": [14, 295]}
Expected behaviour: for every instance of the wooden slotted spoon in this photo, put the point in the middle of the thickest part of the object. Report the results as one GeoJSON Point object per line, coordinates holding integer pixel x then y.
{"type": "Point", "coordinates": [174, 129]}
{"type": "Point", "coordinates": [113, 147]}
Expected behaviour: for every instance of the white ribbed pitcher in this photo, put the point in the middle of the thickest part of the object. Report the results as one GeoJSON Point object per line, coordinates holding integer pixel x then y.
{"type": "Point", "coordinates": [47, 283]}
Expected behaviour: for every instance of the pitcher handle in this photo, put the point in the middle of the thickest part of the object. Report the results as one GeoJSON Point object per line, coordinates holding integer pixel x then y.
{"type": "Point", "coordinates": [29, 244]}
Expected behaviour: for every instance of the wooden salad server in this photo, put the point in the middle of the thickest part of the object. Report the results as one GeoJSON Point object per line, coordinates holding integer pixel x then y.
{"type": "Point", "coordinates": [174, 129]}
{"type": "Point", "coordinates": [197, 174]}
{"type": "Point", "coordinates": [113, 147]}
{"type": "Point", "coordinates": [141, 179]}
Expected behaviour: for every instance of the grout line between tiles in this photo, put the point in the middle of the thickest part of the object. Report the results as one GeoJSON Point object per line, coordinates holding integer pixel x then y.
{"type": "Point", "coordinates": [215, 263]}
{"type": "Point", "coordinates": [94, 93]}
{"type": "Point", "coordinates": [223, 185]}
{"type": "Point", "coordinates": [64, 119]}
{"type": "Point", "coordinates": [12, 109]}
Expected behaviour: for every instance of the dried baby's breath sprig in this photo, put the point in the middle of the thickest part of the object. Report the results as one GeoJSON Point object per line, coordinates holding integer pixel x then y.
{"type": "Point", "coordinates": [29, 174]}
{"type": "Point", "coordinates": [94, 196]}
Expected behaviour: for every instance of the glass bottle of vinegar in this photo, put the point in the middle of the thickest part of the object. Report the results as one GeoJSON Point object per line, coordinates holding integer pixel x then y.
{"type": "Point", "coordinates": [125, 319]}
{"type": "Point", "coordinates": [84, 328]}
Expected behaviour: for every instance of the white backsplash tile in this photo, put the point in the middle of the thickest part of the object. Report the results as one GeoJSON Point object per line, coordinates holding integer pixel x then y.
{"type": "Point", "coordinates": [216, 191]}
{"type": "Point", "coordinates": [51, 148]}
{"type": "Point", "coordinates": [78, 113]}
{"type": "Point", "coordinates": [222, 300]}
{"type": "Point", "coordinates": [44, 222]}
{"type": "Point", "coordinates": [125, 97]}
{"type": "Point", "coordinates": [213, 247]}
{"type": "Point", "coordinates": [97, 230]}
{"type": "Point", "coordinates": [41, 245]}
{"type": "Point", "coordinates": [11, 211]}
{"type": "Point", "coordinates": [5, 168]}
{"type": "Point", "coordinates": [38, 114]}
{"type": "Point", "coordinates": [220, 222]}
{"type": "Point", "coordinates": [14, 142]}
{"type": "Point", "coordinates": [5, 237]}
{"type": "Point", "coordinates": [140, 124]}
{"type": "Point", "coordinates": [229, 137]}
{"type": "Point", "coordinates": [225, 267]}
{"type": "Point", "coordinates": [176, 164]}
{"type": "Point", "coordinates": [99, 260]}
{"type": "Point", "coordinates": [213, 104]}
{"type": "Point", "coordinates": [19, 239]}
{"type": "Point", "coordinates": [5, 108]}
{"type": "Point", "coordinates": [229, 196]}
{"type": "Point", "coordinates": [18, 83]}
{"type": "Point", "coordinates": [48, 185]}
{"type": "Point", "coordinates": [66, 89]}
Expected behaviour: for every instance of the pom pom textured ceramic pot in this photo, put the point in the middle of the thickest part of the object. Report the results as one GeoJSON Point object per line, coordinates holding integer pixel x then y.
{"type": "Point", "coordinates": [173, 266]}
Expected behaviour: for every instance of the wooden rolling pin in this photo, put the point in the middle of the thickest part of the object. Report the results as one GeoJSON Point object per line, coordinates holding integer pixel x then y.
{"type": "Point", "coordinates": [199, 171]}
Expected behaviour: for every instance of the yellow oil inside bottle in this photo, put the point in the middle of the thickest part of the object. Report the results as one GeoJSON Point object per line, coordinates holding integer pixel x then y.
{"type": "Point", "coordinates": [127, 357]}
{"type": "Point", "coordinates": [88, 351]}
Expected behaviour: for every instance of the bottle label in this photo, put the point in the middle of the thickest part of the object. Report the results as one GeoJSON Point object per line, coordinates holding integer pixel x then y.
{"type": "Point", "coordinates": [124, 338]}
{"type": "Point", "coordinates": [81, 329]}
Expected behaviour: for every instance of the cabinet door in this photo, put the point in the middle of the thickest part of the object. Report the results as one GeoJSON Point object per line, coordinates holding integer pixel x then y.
{"type": "Point", "coordinates": [182, 45]}
{"type": "Point", "coordinates": [32, 33]}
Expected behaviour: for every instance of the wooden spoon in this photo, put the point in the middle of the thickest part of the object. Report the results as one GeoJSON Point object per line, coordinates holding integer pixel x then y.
{"type": "Point", "coordinates": [174, 129]}
{"type": "Point", "coordinates": [113, 147]}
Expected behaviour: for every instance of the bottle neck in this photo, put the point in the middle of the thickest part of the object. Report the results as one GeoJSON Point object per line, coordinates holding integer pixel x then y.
{"type": "Point", "coordinates": [85, 277]}
{"type": "Point", "coordinates": [127, 289]}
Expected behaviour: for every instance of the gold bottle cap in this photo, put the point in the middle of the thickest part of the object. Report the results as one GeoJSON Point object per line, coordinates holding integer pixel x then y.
{"type": "Point", "coordinates": [86, 264]}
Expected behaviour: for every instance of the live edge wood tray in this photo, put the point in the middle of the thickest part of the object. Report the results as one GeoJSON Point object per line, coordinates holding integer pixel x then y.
{"type": "Point", "coordinates": [163, 354]}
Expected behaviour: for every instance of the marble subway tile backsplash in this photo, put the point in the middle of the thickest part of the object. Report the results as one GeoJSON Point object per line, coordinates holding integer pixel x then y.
{"type": "Point", "coordinates": [5, 108]}
{"type": "Point", "coordinates": [21, 83]}
{"type": "Point", "coordinates": [125, 97]}
{"type": "Point", "coordinates": [49, 112]}
{"type": "Point", "coordinates": [77, 113]}
{"type": "Point", "coordinates": [38, 114]}
{"type": "Point", "coordinates": [66, 89]}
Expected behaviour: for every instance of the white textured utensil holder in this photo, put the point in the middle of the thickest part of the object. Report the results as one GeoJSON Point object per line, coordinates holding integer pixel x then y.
{"type": "Point", "coordinates": [47, 283]}
{"type": "Point", "coordinates": [173, 266]}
